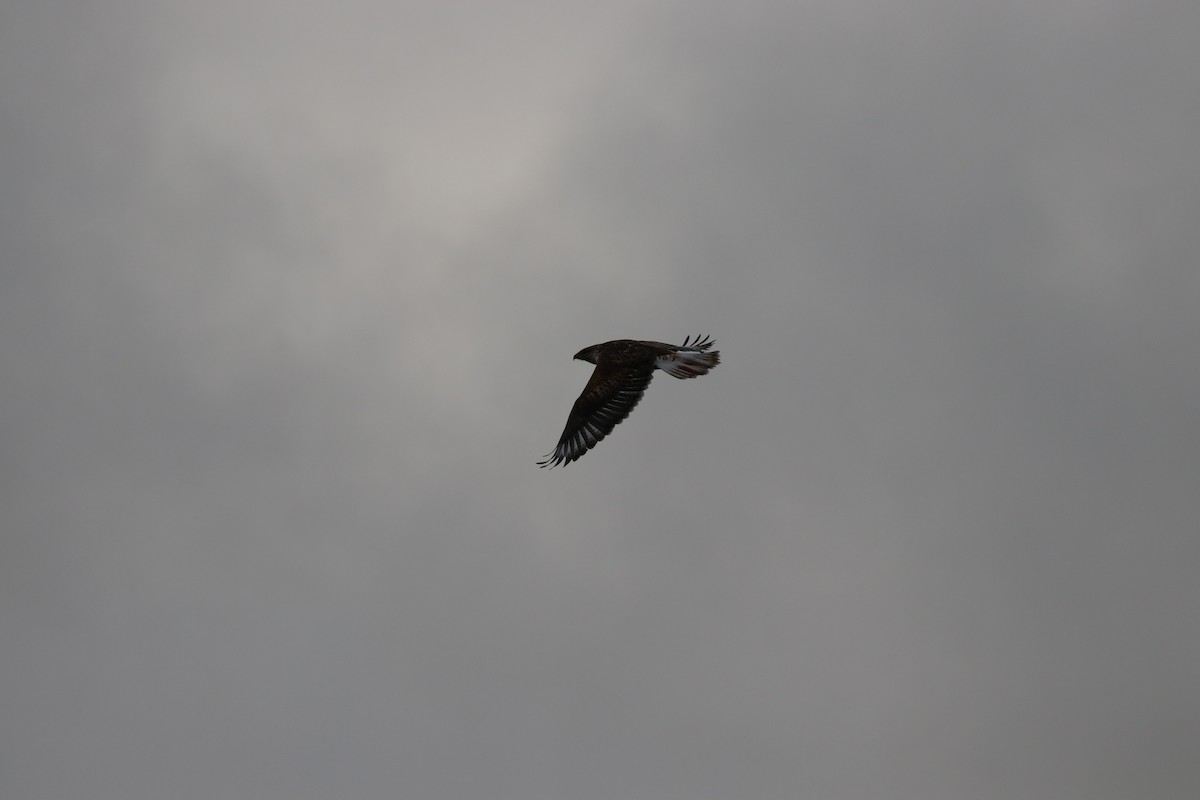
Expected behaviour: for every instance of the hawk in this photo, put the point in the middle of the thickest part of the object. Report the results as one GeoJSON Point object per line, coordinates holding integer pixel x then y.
{"type": "Point", "coordinates": [624, 368]}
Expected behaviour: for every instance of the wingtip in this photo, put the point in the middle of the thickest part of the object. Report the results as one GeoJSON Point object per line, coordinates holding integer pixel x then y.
{"type": "Point", "coordinates": [551, 460]}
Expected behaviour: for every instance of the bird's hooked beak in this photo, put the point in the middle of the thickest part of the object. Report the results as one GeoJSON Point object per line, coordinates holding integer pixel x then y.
{"type": "Point", "coordinates": [587, 354]}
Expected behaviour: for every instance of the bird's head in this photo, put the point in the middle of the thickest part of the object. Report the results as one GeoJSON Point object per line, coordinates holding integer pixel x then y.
{"type": "Point", "coordinates": [589, 354]}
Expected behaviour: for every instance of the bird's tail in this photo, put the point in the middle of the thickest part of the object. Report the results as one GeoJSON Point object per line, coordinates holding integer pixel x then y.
{"type": "Point", "coordinates": [689, 362]}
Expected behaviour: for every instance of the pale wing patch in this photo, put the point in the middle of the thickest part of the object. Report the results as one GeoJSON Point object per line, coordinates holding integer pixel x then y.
{"type": "Point", "coordinates": [687, 364]}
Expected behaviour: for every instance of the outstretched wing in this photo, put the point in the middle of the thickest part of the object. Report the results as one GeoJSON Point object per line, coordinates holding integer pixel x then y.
{"type": "Point", "coordinates": [610, 394]}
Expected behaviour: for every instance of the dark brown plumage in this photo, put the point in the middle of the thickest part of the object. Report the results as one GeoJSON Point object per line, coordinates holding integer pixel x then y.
{"type": "Point", "coordinates": [624, 368]}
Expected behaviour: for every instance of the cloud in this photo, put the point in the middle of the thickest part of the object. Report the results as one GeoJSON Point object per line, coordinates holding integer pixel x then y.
{"type": "Point", "coordinates": [289, 301]}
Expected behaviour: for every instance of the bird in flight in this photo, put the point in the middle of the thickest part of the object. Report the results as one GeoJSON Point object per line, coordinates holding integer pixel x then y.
{"type": "Point", "coordinates": [624, 368]}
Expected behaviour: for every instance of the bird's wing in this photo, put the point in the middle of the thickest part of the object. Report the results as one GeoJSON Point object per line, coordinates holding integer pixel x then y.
{"type": "Point", "coordinates": [697, 343]}
{"type": "Point", "coordinates": [610, 394]}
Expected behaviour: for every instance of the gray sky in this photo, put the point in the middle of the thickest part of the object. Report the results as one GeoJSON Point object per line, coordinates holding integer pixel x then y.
{"type": "Point", "coordinates": [288, 299]}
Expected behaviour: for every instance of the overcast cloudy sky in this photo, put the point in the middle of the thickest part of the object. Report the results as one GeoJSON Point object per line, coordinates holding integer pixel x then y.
{"type": "Point", "coordinates": [288, 298]}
